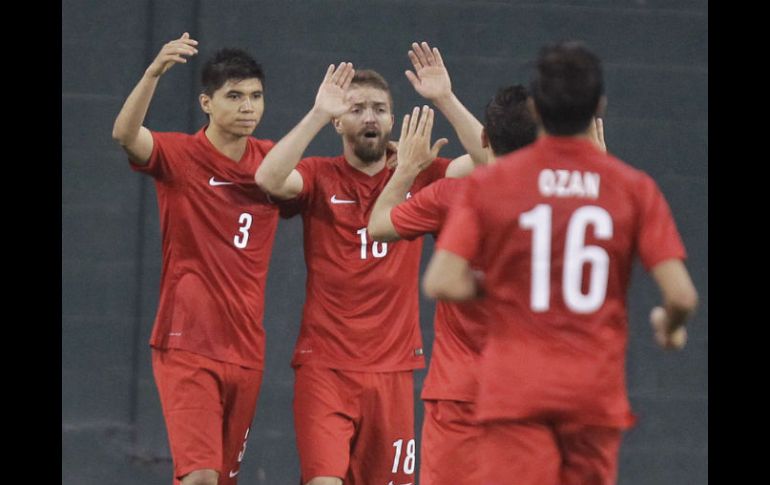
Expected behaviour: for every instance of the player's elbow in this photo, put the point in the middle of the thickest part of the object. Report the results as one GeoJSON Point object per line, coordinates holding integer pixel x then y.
{"type": "Point", "coordinates": [443, 289]}
{"type": "Point", "coordinates": [121, 136]}
{"type": "Point", "coordinates": [379, 229]}
{"type": "Point", "coordinates": [265, 181]}
{"type": "Point", "coordinates": [432, 288]}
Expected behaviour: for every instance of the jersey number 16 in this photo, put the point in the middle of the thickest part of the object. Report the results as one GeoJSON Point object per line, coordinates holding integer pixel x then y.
{"type": "Point", "coordinates": [576, 255]}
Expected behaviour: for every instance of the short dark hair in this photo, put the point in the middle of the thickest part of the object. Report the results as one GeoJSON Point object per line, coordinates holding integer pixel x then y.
{"type": "Point", "coordinates": [507, 120]}
{"type": "Point", "coordinates": [229, 65]}
{"type": "Point", "coordinates": [566, 87]}
{"type": "Point", "coordinates": [371, 78]}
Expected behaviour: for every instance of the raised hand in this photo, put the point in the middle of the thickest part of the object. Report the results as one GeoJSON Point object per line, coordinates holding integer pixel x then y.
{"type": "Point", "coordinates": [414, 150]}
{"type": "Point", "coordinates": [430, 78]}
{"type": "Point", "coordinates": [330, 99]}
{"type": "Point", "coordinates": [665, 336]}
{"type": "Point", "coordinates": [173, 52]}
{"type": "Point", "coordinates": [596, 131]}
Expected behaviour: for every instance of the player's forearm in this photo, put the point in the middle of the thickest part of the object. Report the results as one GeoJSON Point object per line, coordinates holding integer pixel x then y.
{"type": "Point", "coordinates": [467, 127]}
{"type": "Point", "coordinates": [680, 298]}
{"type": "Point", "coordinates": [380, 225]}
{"type": "Point", "coordinates": [286, 154]}
{"type": "Point", "coordinates": [449, 277]}
{"type": "Point", "coordinates": [134, 110]}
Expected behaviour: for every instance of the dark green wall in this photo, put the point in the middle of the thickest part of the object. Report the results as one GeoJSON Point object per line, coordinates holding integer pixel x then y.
{"type": "Point", "coordinates": [656, 64]}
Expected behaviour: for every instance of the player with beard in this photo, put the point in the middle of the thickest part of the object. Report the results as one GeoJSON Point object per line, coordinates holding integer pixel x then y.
{"type": "Point", "coordinates": [359, 340]}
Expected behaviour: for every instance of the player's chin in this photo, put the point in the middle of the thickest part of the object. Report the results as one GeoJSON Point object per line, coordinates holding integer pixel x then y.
{"type": "Point", "coordinates": [244, 129]}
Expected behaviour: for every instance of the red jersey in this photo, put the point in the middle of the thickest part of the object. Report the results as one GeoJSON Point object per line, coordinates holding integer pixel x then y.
{"type": "Point", "coordinates": [361, 306]}
{"type": "Point", "coordinates": [459, 327]}
{"type": "Point", "coordinates": [555, 227]}
{"type": "Point", "coordinates": [217, 234]}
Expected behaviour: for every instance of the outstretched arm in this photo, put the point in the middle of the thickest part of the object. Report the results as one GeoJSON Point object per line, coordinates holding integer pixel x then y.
{"type": "Point", "coordinates": [277, 175]}
{"type": "Point", "coordinates": [431, 80]}
{"type": "Point", "coordinates": [135, 139]}
{"type": "Point", "coordinates": [414, 155]}
{"type": "Point", "coordinates": [679, 302]}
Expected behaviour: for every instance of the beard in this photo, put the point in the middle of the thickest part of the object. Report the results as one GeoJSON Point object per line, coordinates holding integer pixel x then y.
{"type": "Point", "coordinates": [367, 150]}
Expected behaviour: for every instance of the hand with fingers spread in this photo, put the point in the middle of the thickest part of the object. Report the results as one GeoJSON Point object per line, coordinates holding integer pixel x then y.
{"type": "Point", "coordinates": [430, 78]}
{"type": "Point", "coordinates": [414, 150]}
{"type": "Point", "coordinates": [173, 52]}
{"type": "Point", "coordinates": [330, 100]}
{"type": "Point", "coordinates": [596, 131]}
{"type": "Point", "coordinates": [666, 335]}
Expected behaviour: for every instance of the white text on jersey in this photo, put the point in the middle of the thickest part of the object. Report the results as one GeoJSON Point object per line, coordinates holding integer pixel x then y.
{"type": "Point", "coordinates": [568, 183]}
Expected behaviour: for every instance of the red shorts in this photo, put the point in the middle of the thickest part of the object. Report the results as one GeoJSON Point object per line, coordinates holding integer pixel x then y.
{"type": "Point", "coordinates": [450, 441]}
{"type": "Point", "coordinates": [208, 407]}
{"type": "Point", "coordinates": [537, 453]}
{"type": "Point", "coordinates": [358, 426]}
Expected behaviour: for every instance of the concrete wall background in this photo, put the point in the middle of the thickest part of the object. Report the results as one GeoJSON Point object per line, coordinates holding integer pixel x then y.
{"type": "Point", "coordinates": [656, 69]}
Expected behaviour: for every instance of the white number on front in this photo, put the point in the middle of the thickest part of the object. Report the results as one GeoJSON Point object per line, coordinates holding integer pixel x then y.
{"type": "Point", "coordinates": [240, 241]}
{"type": "Point", "coordinates": [576, 256]}
{"type": "Point", "coordinates": [379, 250]}
{"type": "Point", "coordinates": [409, 460]}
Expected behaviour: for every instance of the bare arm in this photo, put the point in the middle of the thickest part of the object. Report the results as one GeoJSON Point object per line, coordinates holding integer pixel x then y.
{"type": "Point", "coordinates": [431, 80]}
{"type": "Point", "coordinates": [449, 277]}
{"type": "Point", "coordinates": [679, 302]}
{"type": "Point", "coordinates": [277, 175]}
{"type": "Point", "coordinates": [135, 139]}
{"type": "Point", "coordinates": [414, 155]}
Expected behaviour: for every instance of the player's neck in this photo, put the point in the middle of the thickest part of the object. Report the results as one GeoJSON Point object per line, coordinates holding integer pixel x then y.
{"type": "Point", "coordinates": [369, 168]}
{"type": "Point", "coordinates": [231, 146]}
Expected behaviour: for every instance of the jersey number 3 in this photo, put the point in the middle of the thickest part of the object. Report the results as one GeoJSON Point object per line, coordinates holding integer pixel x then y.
{"type": "Point", "coordinates": [576, 256]}
{"type": "Point", "coordinates": [242, 239]}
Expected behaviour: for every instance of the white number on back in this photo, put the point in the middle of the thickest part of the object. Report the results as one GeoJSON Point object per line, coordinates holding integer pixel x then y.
{"type": "Point", "coordinates": [576, 256]}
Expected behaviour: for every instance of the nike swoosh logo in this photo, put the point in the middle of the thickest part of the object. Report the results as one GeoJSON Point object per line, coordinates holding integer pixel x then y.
{"type": "Point", "coordinates": [233, 473]}
{"type": "Point", "coordinates": [335, 200]}
{"type": "Point", "coordinates": [214, 182]}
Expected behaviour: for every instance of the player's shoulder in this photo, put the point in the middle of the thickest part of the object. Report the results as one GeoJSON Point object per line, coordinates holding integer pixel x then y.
{"type": "Point", "coordinates": [172, 136]}
{"type": "Point", "coordinates": [632, 176]}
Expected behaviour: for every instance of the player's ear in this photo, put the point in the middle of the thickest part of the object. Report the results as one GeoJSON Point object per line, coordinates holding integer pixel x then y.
{"type": "Point", "coordinates": [533, 109]}
{"type": "Point", "coordinates": [337, 125]}
{"type": "Point", "coordinates": [205, 102]}
{"type": "Point", "coordinates": [601, 106]}
{"type": "Point", "coordinates": [484, 138]}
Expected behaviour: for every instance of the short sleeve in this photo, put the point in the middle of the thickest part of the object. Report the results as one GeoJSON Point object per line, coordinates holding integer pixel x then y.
{"type": "Point", "coordinates": [163, 147]}
{"type": "Point", "coordinates": [462, 230]}
{"type": "Point", "coordinates": [658, 238]}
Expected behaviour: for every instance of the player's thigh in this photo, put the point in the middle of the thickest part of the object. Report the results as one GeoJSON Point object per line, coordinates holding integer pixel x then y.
{"type": "Point", "coordinates": [323, 422]}
{"type": "Point", "coordinates": [385, 448]}
{"type": "Point", "coordinates": [241, 393]}
{"type": "Point", "coordinates": [590, 454]}
{"type": "Point", "coordinates": [189, 389]}
{"type": "Point", "coordinates": [449, 448]}
{"type": "Point", "coordinates": [518, 453]}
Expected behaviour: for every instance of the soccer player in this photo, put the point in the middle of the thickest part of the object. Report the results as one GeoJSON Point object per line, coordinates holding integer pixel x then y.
{"type": "Point", "coordinates": [449, 444]}
{"type": "Point", "coordinates": [555, 227]}
{"type": "Point", "coordinates": [217, 233]}
{"type": "Point", "coordinates": [359, 340]}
